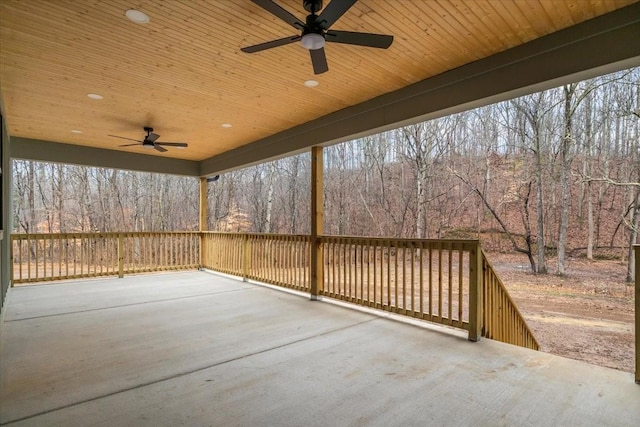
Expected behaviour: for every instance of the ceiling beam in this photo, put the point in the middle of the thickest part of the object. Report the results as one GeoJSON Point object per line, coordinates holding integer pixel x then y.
{"type": "Point", "coordinates": [601, 45]}
{"type": "Point", "coordinates": [46, 151]}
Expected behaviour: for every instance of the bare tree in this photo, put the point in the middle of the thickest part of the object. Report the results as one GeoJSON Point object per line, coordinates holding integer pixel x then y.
{"type": "Point", "coordinates": [532, 130]}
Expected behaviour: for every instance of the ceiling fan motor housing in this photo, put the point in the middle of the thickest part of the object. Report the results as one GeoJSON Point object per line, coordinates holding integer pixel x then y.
{"type": "Point", "coordinates": [312, 6]}
{"type": "Point", "coordinates": [147, 143]}
{"type": "Point", "coordinates": [313, 26]}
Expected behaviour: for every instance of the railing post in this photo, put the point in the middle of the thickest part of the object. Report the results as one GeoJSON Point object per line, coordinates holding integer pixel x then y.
{"type": "Point", "coordinates": [475, 292]}
{"type": "Point", "coordinates": [202, 219]}
{"type": "Point", "coordinates": [636, 248]}
{"type": "Point", "coordinates": [317, 259]}
{"type": "Point", "coordinates": [120, 255]}
{"type": "Point", "coordinates": [201, 250]}
{"type": "Point", "coordinates": [246, 258]}
{"type": "Point", "coordinates": [11, 255]}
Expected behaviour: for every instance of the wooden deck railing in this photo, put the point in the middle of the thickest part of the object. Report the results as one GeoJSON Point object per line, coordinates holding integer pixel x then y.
{"type": "Point", "coordinates": [427, 279]}
{"type": "Point", "coordinates": [277, 259]}
{"type": "Point", "coordinates": [44, 257]}
{"type": "Point", "coordinates": [502, 320]}
{"type": "Point", "coordinates": [444, 281]}
{"type": "Point", "coordinates": [437, 280]}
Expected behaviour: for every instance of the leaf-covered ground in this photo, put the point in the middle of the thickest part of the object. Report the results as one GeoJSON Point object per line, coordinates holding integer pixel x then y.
{"type": "Point", "coordinates": [587, 314]}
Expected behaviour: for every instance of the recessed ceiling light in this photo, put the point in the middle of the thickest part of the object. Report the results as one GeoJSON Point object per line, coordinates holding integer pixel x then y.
{"type": "Point", "coordinates": [137, 16]}
{"type": "Point", "coordinates": [311, 83]}
{"type": "Point", "coordinates": [76, 131]}
{"type": "Point", "coordinates": [94, 96]}
{"type": "Point", "coordinates": [226, 125]}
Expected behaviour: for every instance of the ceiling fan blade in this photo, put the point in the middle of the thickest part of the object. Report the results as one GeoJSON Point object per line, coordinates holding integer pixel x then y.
{"type": "Point", "coordinates": [122, 137]}
{"type": "Point", "coordinates": [160, 149]}
{"type": "Point", "coordinates": [152, 137]}
{"type": "Point", "coordinates": [281, 13]}
{"type": "Point", "coordinates": [271, 44]}
{"type": "Point", "coordinates": [333, 12]}
{"type": "Point", "coordinates": [381, 41]}
{"type": "Point", "coordinates": [173, 144]}
{"type": "Point", "coordinates": [319, 61]}
{"type": "Point", "coordinates": [128, 145]}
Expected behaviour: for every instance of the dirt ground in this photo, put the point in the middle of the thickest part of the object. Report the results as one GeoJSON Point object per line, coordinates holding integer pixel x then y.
{"type": "Point", "coordinates": [586, 315]}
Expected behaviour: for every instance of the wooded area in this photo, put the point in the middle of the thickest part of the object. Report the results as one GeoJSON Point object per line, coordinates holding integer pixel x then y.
{"type": "Point", "coordinates": [558, 170]}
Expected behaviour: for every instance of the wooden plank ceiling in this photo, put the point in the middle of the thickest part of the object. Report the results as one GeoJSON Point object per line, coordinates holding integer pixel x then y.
{"type": "Point", "coordinates": [184, 74]}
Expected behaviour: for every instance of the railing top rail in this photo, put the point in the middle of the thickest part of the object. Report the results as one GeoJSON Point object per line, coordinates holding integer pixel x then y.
{"type": "Point", "coordinates": [334, 238]}
{"type": "Point", "coordinates": [266, 235]}
{"type": "Point", "coordinates": [401, 239]}
{"type": "Point", "coordinates": [23, 236]}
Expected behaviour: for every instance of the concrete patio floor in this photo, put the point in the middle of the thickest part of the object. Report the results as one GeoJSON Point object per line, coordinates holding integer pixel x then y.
{"type": "Point", "coordinates": [198, 349]}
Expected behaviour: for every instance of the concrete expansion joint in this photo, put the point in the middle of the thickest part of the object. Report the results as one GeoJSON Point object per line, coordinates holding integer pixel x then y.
{"type": "Point", "coordinates": [127, 305]}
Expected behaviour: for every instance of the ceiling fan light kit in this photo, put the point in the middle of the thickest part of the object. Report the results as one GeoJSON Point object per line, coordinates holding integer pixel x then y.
{"type": "Point", "coordinates": [312, 41]}
{"type": "Point", "coordinates": [315, 31]}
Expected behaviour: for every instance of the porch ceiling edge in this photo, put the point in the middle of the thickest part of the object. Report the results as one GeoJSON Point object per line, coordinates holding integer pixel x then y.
{"type": "Point", "coordinates": [47, 151]}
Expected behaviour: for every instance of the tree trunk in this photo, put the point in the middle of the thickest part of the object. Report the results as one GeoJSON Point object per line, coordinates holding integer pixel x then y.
{"type": "Point", "coordinates": [541, 241]}
{"type": "Point", "coordinates": [268, 226]}
{"type": "Point", "coordinates": [422, 201]}
{"type": "Point", "coordinates": [31, 179]}
{"type": "Point", "coordinates": [564, 178]}
{"type": "Point", "coordinates": [60, 194]}
{"type": "Point", "coordinates": [633, 239]}
{"type": "Point", "coordinates": [586, 188]}
{"type": "Point", "coordinates": [590, 225]}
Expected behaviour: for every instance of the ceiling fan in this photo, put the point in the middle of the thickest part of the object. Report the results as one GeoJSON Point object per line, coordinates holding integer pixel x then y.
{"type": "Point", "coordinates": [149, 141]}
{"type": "Point", "coordinates": [315, 31]}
